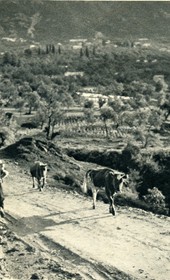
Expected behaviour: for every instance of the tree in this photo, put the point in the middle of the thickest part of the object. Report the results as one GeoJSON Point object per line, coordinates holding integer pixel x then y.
{"type": "Point", "coordinates": [19, 104]}
{"type": "Point", "coordinates": [64, 96]}
{"type": "Point", "coordinates": [59, 49]}
{"type": "Point", "coordinates": [47, 49]}
{"type": "Point", "coordinates": [53, 49]}
{"type": "Point", "coordinates": [81, 52]}
{"type": "Point", "coordinates": [88, 104]}
{"type": "Point", "coordinates": [52, 111]}
{"type": "Point", "coordinates": [40, 116]}
{"type": "Point", "coordinates": [114, 88]}
{"type": "Point", "coordinates": [107, 113]}
{"type": "Point", "coordinates": [100, 38]}
{"type": "Point", "coordinates": [87, 52]}
{"type": "Point", "coordinates": [118, 106]}
{"type": "Point", "coordinates": [94, 50]}
{"type": "Point", "coordinates": [101, 101]}
{"type": "Point", "coordinates": [28, 52]}
{"type": "Point", "coordinates": [89, 115]}
{"type": "Point", "coordinates": [32, 101]}
{"type": "Point", "coordinates": [8, 92]}
{"type": "Point", "coordinates": [39, 51]}
{"type": "Point", "coordinates": [139, 88]}
{"type": "Point", "coordinates": [144, 122]}
{"type": "Point", "coordinates": [7, 58]}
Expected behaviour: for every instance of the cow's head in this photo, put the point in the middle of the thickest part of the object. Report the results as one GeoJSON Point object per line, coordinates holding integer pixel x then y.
{"type": "Point", "coordinates": [41, 163]}
{"type": "Point", "coordinates": [123, 180]}
{"type": "Point", "coordinates": [43, 166]}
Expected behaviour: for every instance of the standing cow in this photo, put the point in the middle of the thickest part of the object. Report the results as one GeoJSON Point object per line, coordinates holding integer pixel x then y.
{"type": "Point", "coordinates": [39, 172]}
{"type": "Point", "coordinates": [111, 180]}
{"type": "Point", "coordinates": [3, 174]}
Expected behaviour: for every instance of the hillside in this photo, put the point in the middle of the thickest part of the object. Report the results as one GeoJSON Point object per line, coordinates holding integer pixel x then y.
{"type": "Point", "coordinates": [59, 20]}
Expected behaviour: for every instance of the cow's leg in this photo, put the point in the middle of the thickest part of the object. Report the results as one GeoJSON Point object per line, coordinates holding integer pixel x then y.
{"type": "Point", "coordinates": [111, 202]}
{"type": "Point", "coordinates": [39, 185]}
{"type": "Point", "coordinates": [112, 209]}
{"type": "Point", "coordinates": [94, 193]}
{"type": "Point", "coordinates": [44, 182]}
{"type": "Point", "coordinates": [33, 182]}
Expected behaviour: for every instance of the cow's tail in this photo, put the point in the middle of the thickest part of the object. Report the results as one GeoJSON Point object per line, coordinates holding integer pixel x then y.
{"type": "Point", "coordinates": [84, 187]}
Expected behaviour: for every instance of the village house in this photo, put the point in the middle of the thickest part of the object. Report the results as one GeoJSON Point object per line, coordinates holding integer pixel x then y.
{"type": "Point", "coordinates": [74, 74]}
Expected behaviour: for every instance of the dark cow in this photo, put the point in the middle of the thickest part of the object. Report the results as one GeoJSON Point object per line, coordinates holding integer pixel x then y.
{"type": "Point", "coordinates": [3, 173]}
{"type": "Point", "coordinates": [110, 179]}
{"type": "Point", "coordinates": [39, 172]}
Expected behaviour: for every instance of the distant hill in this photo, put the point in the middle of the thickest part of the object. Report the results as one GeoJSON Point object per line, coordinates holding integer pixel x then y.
{"type": "Point", "coordinates": [59, 20]}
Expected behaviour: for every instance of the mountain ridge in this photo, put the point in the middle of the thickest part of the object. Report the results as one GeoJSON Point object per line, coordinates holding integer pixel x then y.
{"type": "Point", "coordinates": [60, 20]}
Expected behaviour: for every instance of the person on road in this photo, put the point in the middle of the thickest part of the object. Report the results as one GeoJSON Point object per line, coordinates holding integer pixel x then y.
{"type": "Point", "coordinates": [3, 174]}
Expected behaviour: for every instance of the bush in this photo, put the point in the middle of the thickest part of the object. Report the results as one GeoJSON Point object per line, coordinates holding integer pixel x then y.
{"type": "Point", "coordinates": [155, 198]}
{"type": "Point", "coordinates": [132, 200]}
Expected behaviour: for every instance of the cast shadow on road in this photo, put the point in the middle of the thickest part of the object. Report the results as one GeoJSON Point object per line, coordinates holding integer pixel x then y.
{"type": "Point", "coordinates": [95, 216]}
{"type": "Point", "coordinates": [29, 225]}
{"type": "Point", "coordinates": [88, 218]}
{"type": "Point", "coordinates": [36, 224]}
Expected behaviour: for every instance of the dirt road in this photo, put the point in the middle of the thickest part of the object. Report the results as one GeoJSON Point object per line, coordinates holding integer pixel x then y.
{"type": "Point", "coordinates": [63, 238]}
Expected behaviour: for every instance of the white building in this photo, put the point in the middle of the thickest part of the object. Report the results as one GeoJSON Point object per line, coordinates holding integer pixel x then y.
{"type": "Point", "coordinates": [74, 74]}
{"type": "Point", "coordinates": [77, 41]}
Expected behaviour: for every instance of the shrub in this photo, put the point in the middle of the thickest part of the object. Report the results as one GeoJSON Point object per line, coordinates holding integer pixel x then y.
{"type": "Point", "coordinates": [132, 200]}
{"type": "Point", "coordinates": [155, 198]}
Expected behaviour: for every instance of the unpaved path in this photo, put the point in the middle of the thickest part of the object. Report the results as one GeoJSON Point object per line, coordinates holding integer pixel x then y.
{"type": "Point", "coordinates": [86, 243]}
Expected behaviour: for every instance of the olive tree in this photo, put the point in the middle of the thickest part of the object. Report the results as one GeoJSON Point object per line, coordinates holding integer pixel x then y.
{"type": "Point", "coordinates": [106, 114]}
{"type": "Point", "coordinates": [144, 122]}
{"type": "Point", "coordinates": [32, 101]}
{"type": "Point", "coordinates": [50, 110]}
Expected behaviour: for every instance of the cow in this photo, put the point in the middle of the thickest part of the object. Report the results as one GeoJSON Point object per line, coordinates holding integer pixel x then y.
{"type": "Point", "coordinates": [39, 172]}
{"type": "Point", "coordinates": [107, 178]}
{"type": "Point", "coordinates": [3, 174]}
